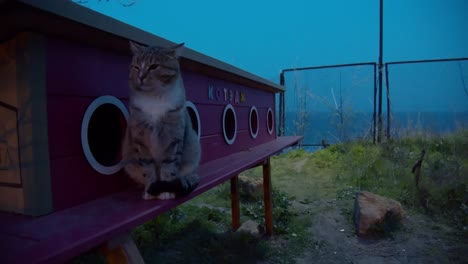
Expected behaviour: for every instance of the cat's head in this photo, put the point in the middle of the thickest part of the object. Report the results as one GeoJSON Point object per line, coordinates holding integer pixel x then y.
{"type": "Point", "coordinates": [153, 69]}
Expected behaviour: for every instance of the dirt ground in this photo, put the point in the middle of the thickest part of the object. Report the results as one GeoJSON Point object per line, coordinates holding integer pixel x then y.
{"type": "Point", "coordinates": [420, 239]}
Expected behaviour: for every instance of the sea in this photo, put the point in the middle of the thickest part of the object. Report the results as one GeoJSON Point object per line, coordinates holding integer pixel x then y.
{"type": "Point", "coordinates": [332, 128]}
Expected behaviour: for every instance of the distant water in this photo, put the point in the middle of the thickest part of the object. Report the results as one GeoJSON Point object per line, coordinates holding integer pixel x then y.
{"type": "Point", "coordinates": [328, 126]}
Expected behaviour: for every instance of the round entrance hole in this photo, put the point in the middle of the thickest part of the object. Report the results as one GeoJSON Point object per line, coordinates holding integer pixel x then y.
{"type": "Point", "coordinates": [253, 122]}
{"type": "Point", "coordinates": [102, 130]}
{"type": "Point", "coordinates": [270, 120]}
{"type": "Point", "coordinates": [229, 124]}
{"type": "Point", "coordinates": [194, 117]}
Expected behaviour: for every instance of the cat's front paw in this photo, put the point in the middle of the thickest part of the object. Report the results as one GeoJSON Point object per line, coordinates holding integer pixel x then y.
{"type": "Point", "coordinates": [147, 196]}
{"type": "Point", "coordinates": [166, 196]}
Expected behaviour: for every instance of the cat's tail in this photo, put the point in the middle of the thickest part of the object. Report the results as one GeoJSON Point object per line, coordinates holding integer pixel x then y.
{"type": "Point", "coordinates": [187, 184]}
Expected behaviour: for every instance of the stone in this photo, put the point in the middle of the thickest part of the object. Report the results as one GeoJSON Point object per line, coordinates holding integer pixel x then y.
{"type": "Point", "coordinates": [375, 214]}
{"type": "Point", "coordinates": [250, 226]}
{"type": "Point", "coordinates": [250, 188]}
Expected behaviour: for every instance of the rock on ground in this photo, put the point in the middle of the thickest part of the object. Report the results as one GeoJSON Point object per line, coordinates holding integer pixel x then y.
{"type": "Point", "coordinates": [250, 226]}
{"type": "Point", "coordinates": [250, 188]}
{"type": "Point", "coordinates": [374, 213]}
{"type": "Point", "coordinates": [422, 239]}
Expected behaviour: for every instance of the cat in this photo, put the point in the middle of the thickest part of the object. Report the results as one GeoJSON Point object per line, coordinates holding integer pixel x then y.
{"type": "Point", "coordinates": [161, 150]}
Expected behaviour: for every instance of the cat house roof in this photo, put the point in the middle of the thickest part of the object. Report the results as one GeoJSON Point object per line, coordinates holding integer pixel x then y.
{"type": "Point", "coordinates": [65, 19]}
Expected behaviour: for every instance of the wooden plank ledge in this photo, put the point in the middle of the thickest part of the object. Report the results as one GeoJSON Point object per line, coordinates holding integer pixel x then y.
{"type": "Point", "coordinates": [62, 235]}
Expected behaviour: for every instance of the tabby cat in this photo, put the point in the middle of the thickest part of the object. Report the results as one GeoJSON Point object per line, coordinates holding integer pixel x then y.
{"type": "Point", "coordinates": [161, 150]}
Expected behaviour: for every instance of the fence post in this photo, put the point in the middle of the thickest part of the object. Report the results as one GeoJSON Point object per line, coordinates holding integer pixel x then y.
{"type": "Point", "coordinates": [267, 197]}
{"type": "Point", "coordinates": [379, 133]}
{"type": "Point", "coordinates": [282, 107]}
{"type": "Point", "coordinates": [374, 114]}
{"type": "Point", "coordinates": [388, 101]}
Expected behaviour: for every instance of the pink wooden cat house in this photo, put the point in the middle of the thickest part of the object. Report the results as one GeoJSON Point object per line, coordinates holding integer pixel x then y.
{"type": "Point", "coordinates": [63, 97]}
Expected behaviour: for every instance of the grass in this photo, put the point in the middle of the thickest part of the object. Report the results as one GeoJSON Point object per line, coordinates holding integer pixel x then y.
{"type": "Point", "coordinates": [199, 230]}
{"type": "Point", "coordinates": [203, 233]}
{"type": "Point", "coordinates": [198, 236]}
{"type": "Point", "coordinates": [295, 171]}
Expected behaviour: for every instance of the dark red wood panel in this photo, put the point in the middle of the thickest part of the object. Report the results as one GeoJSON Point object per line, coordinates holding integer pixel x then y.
{"type": "Point", "coordinates": [198, 91]}
{"type": "Point", "coordinates": [211, 118]}
{"type": "Point", "coordinates": [65, 115]}
{"type": "Point", "coordinates": [79, 70]}
{"type": "Point", "coordinates": [75, 69]}
{"type": "Point", "coordinates": [65, 234]}
{"type": "Point", "coordinates": [215, 146]}
{"type": "Point", "coordinates": [15, 245]}
{"type": "Point", "coordinates": [262, 125]}
{"type": "Point", "coordinates": [74, 181]}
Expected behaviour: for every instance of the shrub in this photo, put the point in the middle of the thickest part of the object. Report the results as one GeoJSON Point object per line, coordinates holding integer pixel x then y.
{"type": "Point", "coordinates": [282, 211]}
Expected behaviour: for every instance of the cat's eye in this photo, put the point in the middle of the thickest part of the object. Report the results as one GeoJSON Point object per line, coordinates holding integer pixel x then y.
{"type": "Point", "coordinates": [153, 66]}
{"type": "Point", "coordinates": [135, 67]}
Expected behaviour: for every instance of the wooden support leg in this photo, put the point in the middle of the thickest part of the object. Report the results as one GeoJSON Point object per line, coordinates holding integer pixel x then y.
{"type": "Point", "coordinates": [122, 250]}
{"type": "Point", "coordinates": [267, 197]}
{"type": "Point", "coordinates": [235, 197]}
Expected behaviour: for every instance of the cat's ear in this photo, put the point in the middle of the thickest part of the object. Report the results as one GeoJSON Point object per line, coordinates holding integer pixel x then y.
{"type": "Point", "coordinates": [135, 47]}
{"type": "Point", "coordinates": [176, 50]}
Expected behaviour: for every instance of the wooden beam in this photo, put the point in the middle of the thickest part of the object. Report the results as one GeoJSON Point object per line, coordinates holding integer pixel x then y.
{"type": "Point", "coordinates": [235, 208]}
{"type": "Point", "coordinates": [122, 250]}
{"type": "Point", "coordinates": [267, 197]}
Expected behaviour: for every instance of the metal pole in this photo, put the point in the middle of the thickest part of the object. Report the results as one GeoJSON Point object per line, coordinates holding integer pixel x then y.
{"type": "Point", "coordinates": [374, 114]}
{"type": "Point", "coordinates": [379, 129]}
{"type": "Point", "coordinates": [427, 61]}
{"type": "Point", "coordinates": [267, 197]}
{"type": "Point", "coordinates": [281, 112]}
{"type": "Point", "coordinates": [328, 66]}
{"type": "Point", "coordinates": [388, 101]}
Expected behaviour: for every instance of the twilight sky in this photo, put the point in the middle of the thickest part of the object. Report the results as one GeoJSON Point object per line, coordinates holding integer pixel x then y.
{"type": "Point", "coordinates": [264, 37]}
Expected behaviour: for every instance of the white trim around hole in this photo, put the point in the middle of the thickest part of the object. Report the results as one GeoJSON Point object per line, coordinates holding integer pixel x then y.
{"type": "Point", "coordinates": [254, 134]}
{"type": "Point", "coordinates": [226, 109]}
{"type": "Point", "coordinates": [192, 106]}
{"type": "Point", "coordinates": [271, 126]}
{"type": "Point", "coordinates": [106, 99]}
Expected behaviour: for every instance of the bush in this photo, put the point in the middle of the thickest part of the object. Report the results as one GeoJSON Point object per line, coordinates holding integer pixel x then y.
{"type": "Point", "coordinates": [326, 158]}
{"type": "Point", "coordinates": [386, 170]}
{"type": "Point", "coordinates": [282, 211]}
